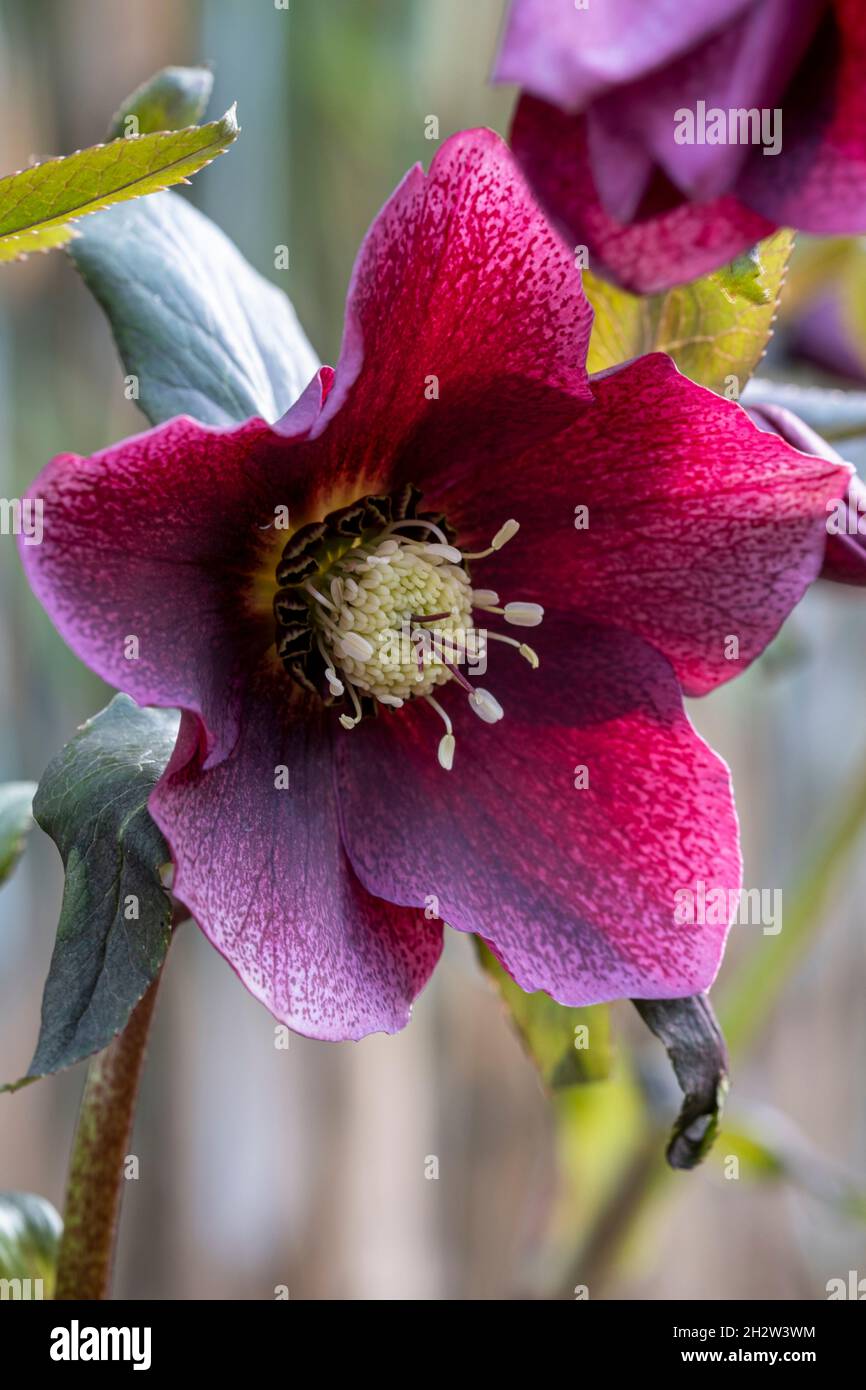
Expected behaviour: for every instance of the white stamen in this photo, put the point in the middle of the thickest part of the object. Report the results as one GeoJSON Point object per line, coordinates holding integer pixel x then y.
{"type": "Point", "coordinates": [446, 552]}
{"type": "Point", "coordinates": [346, 722]}
{"type": "Point", "coordinates": [482, 703]}
{"type": "Point", "coordinates": [356, 646]}
{"type": "Point", "coordinates": [484, 598]}
{"type": "Point", "coordinates": [321, 597]}
{"type": "Point", "coordinates": [529, 655]}
{"type": "Point", "coordinates": [526, 652]}
{"type": "Point", "coordinates": [523, 614]}
{"type": "Point", "coordinates": [393, 700]}
{"type": "Point", "coordinates": [503, 535]}
{"type": "Point", "coordinates": [445, 754]}
{"type": "Point", "coordinates": [415, 521]}
{"type": "Point", "coordinates": [447, 742]}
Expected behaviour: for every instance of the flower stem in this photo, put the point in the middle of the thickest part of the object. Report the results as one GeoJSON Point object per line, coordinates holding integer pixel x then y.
{"type": "Point", "coordinates": [100, 1146]}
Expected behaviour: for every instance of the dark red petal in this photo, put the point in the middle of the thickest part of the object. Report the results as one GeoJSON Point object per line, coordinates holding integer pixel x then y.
{"type": "Point", "coordinates": [575, 889]}
{"type": "Point", "coordinates": [158, 541]}
{"type": "Point", "coordinates": [263, 871]}
{"type": "Point", "coordinates": [702, 528]}
{"type": "Point", "coordinates": [461, 290]}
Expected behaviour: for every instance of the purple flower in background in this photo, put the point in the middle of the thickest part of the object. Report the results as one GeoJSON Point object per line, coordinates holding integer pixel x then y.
{"type": "Point", "coordinates": [845, 557]}
{"type": "Point", "coordinates": [617, 132]}
{"type": "Point", "coordinates": [333, 798]}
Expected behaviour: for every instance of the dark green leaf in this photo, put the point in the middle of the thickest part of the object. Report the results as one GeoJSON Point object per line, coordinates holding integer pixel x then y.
{"type": "Point", "coordinates": [694, 1043]}
{"type": "Point", "coordinates": [172, 98]}
{"type": "Point", "coordinates": [39, 205]}
{"type": "Point", "coordinates": [711, 328]}
{"type": "Point", "coordinates": [203, 332]}
{"type": "Point", "coordinates": [16, 818]}
{"type": "Point", "coordinates": [569, 1046]}
{"type": "Point", "coordinates": [115, 918]}
{"type": "Point", "coordinates": [30, 1232]}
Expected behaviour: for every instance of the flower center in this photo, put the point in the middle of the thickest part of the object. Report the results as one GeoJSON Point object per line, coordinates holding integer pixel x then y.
{"type": "Point", "coordinates": [377, 604]}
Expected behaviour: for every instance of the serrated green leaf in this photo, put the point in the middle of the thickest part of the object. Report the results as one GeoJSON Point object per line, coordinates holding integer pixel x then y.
{"type": "Point", "coordinates": [569, 1046]}
{"type": "Point", "coordinates": [712, 332]}
{"type": "Point", "coordinates": [38, 205]}
{"type": "Point", "coordinates": [16, 818]}
{"type": "Point", "coordinates": [201, 330]}
{"type": "Point", "coordinates": [696, 1048]}
{"type": "Point", "coordinates": [30, 1231]}
{"type": "Point", "coordinates": [172, 98]}
{"type": "Point", "coordinates": [743, 278]}
{"type": "Point", "coordinates": [92, 801]}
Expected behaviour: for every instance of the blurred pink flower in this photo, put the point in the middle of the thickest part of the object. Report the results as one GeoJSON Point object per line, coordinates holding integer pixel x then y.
{"type": "Point", "coordinates": [596, 127]}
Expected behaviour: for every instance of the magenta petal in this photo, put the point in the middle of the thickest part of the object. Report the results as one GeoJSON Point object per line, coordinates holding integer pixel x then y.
{"type": "Point", "coordinates": [845, 557]}
{"type": "Point", "coordinates": [661, 250]}
{"type": "Point", "coordinates": [262, 870]}
{"type": "Point", "coordinates": [460, 285]}
{"type": "Point", "coordinates": [701, 527]}
{"type": "Point", "coordinates": [570, 55]}
{"type": "Point", "coordinates": [576, 889]}
{"type": "Point", "coordinates": [147, 559]}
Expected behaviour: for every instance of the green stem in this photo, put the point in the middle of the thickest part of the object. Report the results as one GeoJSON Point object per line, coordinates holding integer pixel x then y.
{"type": "Point", "coordinates": [101, 1144]}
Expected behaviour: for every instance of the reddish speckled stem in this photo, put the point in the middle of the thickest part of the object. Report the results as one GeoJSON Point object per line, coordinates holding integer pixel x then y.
{"type": "Point", "coordinates": [96, 1170]}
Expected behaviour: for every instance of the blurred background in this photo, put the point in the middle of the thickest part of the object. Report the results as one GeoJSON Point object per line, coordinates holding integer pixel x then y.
{"type": "Point", "coordinates": [306, 1167]}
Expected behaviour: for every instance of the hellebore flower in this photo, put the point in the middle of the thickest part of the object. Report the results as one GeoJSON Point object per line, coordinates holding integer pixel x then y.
{"type": "Point", "coordinates": [458, 469]}
{"type": "Point", "coordinates": [637, 133]}
{"type": "Point", "coordinates": [845, 557]}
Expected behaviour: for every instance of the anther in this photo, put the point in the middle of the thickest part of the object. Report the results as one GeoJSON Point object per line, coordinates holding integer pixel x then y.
{"type": "Point", "coordinates": [356, 646]}
{"type": "Point", "coordinates": [503, 535]}
{"type": "Point", "coordinates": [523, 614]}
{"type": "Point", "coordinates": [485, 706]}
{"type": "Point", "coordinates": [447, 742]}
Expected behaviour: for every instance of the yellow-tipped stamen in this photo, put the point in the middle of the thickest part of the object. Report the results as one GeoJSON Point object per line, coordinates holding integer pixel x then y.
{"type": "Point", "coordinates": [502, 537]}
{"type": "Point", "coordinates": [447, 742]}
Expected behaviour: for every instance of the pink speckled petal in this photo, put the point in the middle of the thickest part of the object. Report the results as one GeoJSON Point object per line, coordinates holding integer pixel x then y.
{"type": "Point", "coordinates": [569, 55]}
{"type": "Point", "coordinates": [673, 244]}
{"type": "Point", "coordinates": [845, 557]}
{"type": "Point", "coordinates": [702, 528]}
{"type": "Point", "coordinates": [461, 292]}
{"type": "Point", "coordinates": [262, 869]}
{"type": "Point", "coordinates": [576, 889]}
{"type": "Point", "coordinates": [169, 538]}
